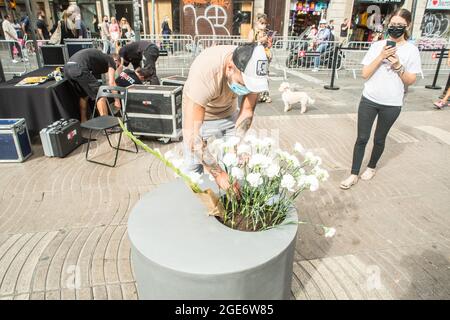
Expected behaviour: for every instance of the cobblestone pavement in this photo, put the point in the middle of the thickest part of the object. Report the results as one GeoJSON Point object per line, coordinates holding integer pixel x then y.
{"type": "Point", "coordinates": [64, 221]}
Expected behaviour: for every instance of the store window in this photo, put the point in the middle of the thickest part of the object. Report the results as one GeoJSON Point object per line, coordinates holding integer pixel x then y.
{"type": "Point", "coordinates": [304, 14]}
{"type": "Point", "coordinates": [436, 20]}
{"type": "Point", "coordinates": [370, 18]}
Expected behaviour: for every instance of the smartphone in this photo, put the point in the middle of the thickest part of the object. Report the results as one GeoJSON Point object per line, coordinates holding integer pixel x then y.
{"type": "Point", "coordinates": [391, 43]}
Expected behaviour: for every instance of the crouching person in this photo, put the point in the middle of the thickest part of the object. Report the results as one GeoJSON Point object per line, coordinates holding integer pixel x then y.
{"type": "Point", "coordinates": [83, 69]}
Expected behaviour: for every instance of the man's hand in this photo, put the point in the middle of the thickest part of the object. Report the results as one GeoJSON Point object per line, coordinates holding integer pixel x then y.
{"type": "Point", "coordinates": [223, 181]}
{"type": "Point", "coordinates": [387, 52]}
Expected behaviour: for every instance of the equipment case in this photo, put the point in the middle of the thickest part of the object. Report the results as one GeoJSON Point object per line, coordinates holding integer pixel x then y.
{"type": "Point", "coordinates": [15, 143]}
{"type": "Point", "coordinates": [154, 111]}
{"type": "Point", "coordinates": [61, 137]}
{"type": "Point", "coordinates": [174, 81]}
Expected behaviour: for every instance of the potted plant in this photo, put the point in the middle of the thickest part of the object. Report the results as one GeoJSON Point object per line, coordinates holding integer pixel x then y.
{"type": "Point", "coordinates": [191, 240]}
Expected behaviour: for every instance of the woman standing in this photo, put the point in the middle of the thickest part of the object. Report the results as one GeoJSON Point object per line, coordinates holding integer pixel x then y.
{"type": "Point", "coordinates": [125, 30]}
{"type": "Point", "coordinates": [262, 36]}
{"type": "Point", "coordinates": [114, 32]}
{"type": "Point", "coordinates": [388, 69]}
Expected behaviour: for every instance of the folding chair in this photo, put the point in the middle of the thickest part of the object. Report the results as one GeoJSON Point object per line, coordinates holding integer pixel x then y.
{"type": "Point", "coordinates": [105, 123]}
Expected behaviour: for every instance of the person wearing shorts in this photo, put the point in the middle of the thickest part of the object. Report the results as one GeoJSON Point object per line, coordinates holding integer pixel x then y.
{"type": "Point", "coordinates": [84, 69]}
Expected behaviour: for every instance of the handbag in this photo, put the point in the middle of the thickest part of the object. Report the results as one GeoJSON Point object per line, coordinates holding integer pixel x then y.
{"type": "Point", "coordinates": [56, 36]}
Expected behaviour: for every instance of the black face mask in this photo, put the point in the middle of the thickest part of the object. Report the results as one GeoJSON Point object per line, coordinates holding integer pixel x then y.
{"type": "Point", "coordinates": [396, 32]}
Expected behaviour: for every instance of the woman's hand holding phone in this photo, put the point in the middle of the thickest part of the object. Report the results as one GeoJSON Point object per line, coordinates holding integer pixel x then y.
{"type": "Point", "coordinates": [387, 52]}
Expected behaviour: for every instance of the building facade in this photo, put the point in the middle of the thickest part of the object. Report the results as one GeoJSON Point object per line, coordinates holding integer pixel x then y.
{"type": "Point", "coordinates": [431, 18]}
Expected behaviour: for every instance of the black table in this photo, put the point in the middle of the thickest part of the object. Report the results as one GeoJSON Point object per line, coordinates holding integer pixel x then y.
{"type": "Point", "coordinates": [40, 105]}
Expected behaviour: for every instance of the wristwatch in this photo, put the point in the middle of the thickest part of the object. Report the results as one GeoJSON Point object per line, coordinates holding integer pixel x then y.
{"type": "Point", "coordinates": [400, 70]}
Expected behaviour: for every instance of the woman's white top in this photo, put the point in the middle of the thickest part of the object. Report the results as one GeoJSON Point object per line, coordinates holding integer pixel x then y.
{"type": "Point", "coordinates": [385, 86]}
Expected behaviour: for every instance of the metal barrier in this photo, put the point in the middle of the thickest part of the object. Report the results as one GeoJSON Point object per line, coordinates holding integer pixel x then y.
{"type": "Point", "coordinates": [202, 42]}
{"type": "Point", "coordinates": [306, 54]}
{"type": "Point", "coordinates": [14, 58]}
{"type": "Point", "coordinates": [353, 58]}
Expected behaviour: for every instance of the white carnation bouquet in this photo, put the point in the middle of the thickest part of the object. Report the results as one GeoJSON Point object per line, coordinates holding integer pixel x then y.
{"type": "Point", "coordinates": [266, 180]}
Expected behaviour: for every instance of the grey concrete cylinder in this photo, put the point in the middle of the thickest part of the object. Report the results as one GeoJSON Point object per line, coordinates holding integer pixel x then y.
{"type": "Point", "coordinates": [179, 252]}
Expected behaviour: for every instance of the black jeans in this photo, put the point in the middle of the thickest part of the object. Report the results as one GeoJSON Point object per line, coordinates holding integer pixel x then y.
{"type": "Point", "coordinates": [367, 112]}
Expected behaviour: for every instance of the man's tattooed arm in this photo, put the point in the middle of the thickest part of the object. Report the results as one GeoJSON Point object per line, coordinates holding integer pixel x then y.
{"type": "Point", "coordinates": [245, 118]}
{"type": "Point", "coordinates": [202, 153]}
{"type": "Point", "coordinates": [243, 126]}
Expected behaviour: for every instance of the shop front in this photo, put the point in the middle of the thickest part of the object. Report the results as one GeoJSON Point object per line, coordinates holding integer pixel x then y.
{"type": "Point", "coordinates": [304, 14]}
{"type": "Point", "coordinates": [436, 19]}
{"type": "Point", "coordinates": [370, 17]}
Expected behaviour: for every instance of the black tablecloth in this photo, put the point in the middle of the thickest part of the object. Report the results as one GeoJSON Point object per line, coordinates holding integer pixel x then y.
{"type": "Point", "coordinates": [40, 105]}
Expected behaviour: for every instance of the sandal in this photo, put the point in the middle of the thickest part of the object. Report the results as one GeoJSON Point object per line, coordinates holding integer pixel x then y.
{"type": "Point", "coordinates": [349, 182]}
{"type": "Point", "coordinates": [368, 174]}
{"type": "Point", "coordinates": [439, 104]}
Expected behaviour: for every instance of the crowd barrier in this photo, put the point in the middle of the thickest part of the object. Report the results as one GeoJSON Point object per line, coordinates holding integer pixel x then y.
{"type": "Point", "coordinates": [305, 54]}
{"type": "Point", "coordinates": [178, 52]}
{"type": "Point", "coordinates": [21, 62]}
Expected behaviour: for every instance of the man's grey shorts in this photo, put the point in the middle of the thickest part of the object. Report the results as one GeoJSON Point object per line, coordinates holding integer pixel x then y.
{"type": "Point", "coordinates": [210, 128]}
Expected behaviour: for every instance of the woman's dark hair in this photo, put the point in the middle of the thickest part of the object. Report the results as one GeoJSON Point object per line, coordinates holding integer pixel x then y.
{"type": "Point", "coordinates": [405, 14]}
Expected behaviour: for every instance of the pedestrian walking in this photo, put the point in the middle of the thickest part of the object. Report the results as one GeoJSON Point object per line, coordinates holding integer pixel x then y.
{"type": "Point", "coordinates": [389, 67]}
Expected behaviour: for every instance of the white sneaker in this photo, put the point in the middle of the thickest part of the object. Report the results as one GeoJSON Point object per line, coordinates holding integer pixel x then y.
{"type": "Point", "coordinates": [315, 70]}
{"type": "Point", "coordinates": [25, 60]}
{"type": "Point", "coordinates": [14, 61]}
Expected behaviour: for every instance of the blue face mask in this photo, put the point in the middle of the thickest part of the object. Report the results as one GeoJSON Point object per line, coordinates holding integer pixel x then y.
{"type": "Point", "coordinates": [239, 89]}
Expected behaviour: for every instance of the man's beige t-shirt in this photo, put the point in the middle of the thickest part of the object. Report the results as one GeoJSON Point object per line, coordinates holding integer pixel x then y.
{"type": "Point", "coordinates": [207, 83]}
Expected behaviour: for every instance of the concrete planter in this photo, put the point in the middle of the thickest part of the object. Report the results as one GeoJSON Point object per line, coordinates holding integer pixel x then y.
{"type": "Point", "coordinates": [178, 252]}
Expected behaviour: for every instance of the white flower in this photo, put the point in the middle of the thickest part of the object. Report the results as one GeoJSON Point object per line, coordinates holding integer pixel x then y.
{"type": "Point", "coordinates": [259, 160]}
{"type": "Point", "coordinates": [272, 170]}
{"type": "Point", "coordinates": [254, 179]}
{"type": "Point", "coordinates": [312, 182]}
{"type": "Point", "coordinates": [302, 181]}
{"type": "Point", "coordinates": [309, 181]}
{"type": "Point", "coordinates": [320, 173]}
{"type": "Point", "coordinates": [317, 160]}
{"type": "Point", "coordinates": [309, 157]}
{"type": "Point", "coordinates": [293, 161]}
{"type": "Point", "coordinates": [288, 182]}
{"type": "Point", "coordinates": [266, 142]}
{"type": "Point", "coordinates": [231, 142]}
{"type": "Point", "coordinates": [282, 154]}
{"type": "Point", "coordinates": [251, 139]}
{"type": "Point", "coordinates": [329, 232]}
{"type": "Point", "coordinates": [230, 159]}
{"type": "Point", "coordinates": [177, 163]}
{"type": "Point", "coordinates": [299, 148]}
{"type": "Point", "coordinates": [237, 173]}
{"type": "Point", "coordinates": [216, 146]}
{"type": "Point", "coordinates": [195, 177]}
{"type": "Point", "coordinates": [169, 155]}
{"type": "Point", "coordinates": [244, 148]}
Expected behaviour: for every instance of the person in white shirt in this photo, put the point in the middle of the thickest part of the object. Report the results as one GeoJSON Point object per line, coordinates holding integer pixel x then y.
{"type": "Point", "coordinates": [388, 71]}
{"type": "Point", "coordinates": [11, 35]}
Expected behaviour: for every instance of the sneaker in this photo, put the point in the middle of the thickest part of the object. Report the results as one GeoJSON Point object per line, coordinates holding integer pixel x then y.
{"type": "Point", "coordinates": [368, 174]}
{"type": "Point", "coordinates": [24, 60]}
{"type": "Point", "coordinates": [14, 61]}
{"type": "Point", "coordinates": [315, 70]}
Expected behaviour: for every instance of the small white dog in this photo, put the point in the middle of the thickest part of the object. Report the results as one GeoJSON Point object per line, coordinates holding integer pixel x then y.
{"type": "Point", "coordinates": [290, 97]}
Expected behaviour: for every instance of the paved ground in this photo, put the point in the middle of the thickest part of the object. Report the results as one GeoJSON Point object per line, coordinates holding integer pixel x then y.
{"type": "Point", "coordinates": [65, 220]}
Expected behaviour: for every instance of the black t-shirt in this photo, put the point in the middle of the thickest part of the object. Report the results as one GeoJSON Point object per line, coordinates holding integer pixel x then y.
{"type": "Point", "coordinates": [126, 78]}
{"type": "Point", "coordinates": [40, 24]}
{"type": "Point", "coordinates": [94, 60]}
{"type": "Point", "coordinates": [132, 52]}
